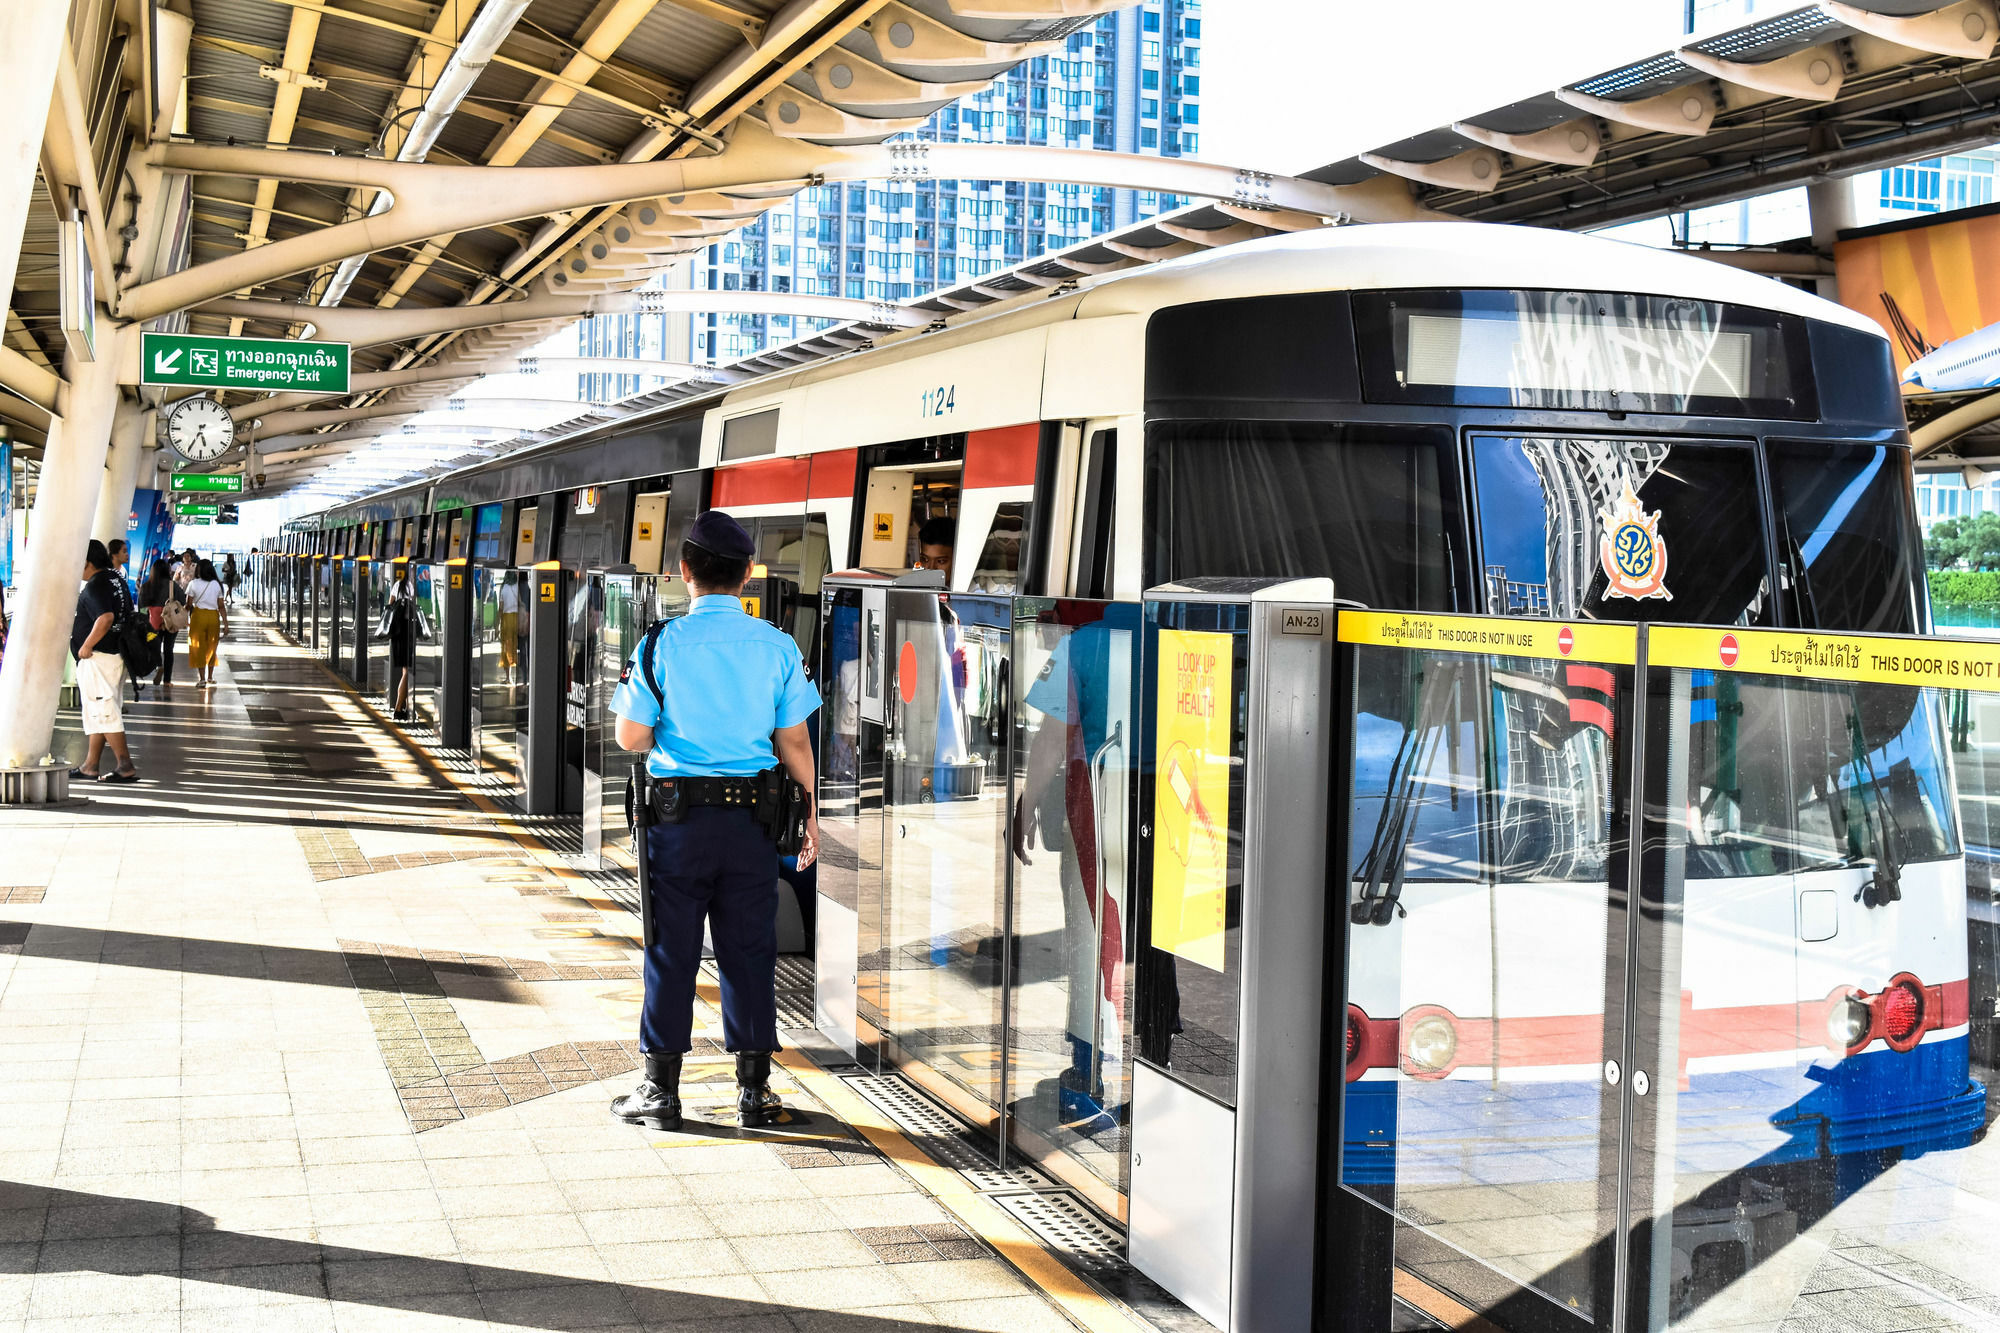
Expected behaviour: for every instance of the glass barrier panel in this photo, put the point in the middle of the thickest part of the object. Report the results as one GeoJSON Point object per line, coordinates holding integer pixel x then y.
{"type": "Point", "coordinates": [427, 662]}
{"type": "Point", "coordinates": [850, 798]}
{"type": "Point", "coordinates": [627, 612]}
{"type": "Point", "coordinates": [1074, 675]}
{"type": "Point", "coordinates": [381, 578]}
{"type": "Point", "coordinates": [1483, 1000]}
{"type": "Point", "coordinates": [340, 645]}
{"type": "Point", "coordinates": [1816, 1003]}
{"type": "Point", "coordinates": [583, 611]}
{"type": "Point", "coordinates": [500, 625]}
{"type": "Point", "coordinates": [944, 870]}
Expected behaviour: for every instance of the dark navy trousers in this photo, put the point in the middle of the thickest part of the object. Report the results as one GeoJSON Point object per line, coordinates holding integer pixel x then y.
{"type": "Point", "coordinates": [719, 865]}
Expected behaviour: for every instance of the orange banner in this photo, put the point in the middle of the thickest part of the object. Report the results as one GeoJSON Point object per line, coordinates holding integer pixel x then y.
{"type": "Point", "coordinates": [1926, 285]}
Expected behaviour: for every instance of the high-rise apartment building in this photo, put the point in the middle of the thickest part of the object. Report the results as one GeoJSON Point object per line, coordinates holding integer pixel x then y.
{"type": "Point", "coordinates": [1131, 82]}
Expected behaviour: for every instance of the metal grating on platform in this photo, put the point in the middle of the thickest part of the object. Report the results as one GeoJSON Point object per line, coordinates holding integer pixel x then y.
{"type": "Point", "coordinates": [1064, 1222]}
{"type": "Point", "coordinates": [942, 1135]}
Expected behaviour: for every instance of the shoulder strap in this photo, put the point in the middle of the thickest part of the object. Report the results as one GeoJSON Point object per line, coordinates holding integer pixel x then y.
{"type": "Point", "coordinates": [647, 652]}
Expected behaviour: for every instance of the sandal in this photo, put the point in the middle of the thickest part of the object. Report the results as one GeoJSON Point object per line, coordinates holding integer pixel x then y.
{"type": "Point", "coordinates": [87, 777]}
{"type": "Point", "coordinates": [121, 778]}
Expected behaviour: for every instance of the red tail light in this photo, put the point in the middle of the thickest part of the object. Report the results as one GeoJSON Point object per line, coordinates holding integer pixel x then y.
{"type": "Point", "coordinates": [1902, 1007]}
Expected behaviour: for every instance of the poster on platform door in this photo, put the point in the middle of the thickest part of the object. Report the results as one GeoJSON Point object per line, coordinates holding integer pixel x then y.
{"type": "Point", "coordinates": [1191, 796]}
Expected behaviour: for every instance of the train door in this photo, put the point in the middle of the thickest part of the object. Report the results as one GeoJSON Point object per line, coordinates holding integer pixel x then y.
{"type": "Point", "coordinates": [648, 549]}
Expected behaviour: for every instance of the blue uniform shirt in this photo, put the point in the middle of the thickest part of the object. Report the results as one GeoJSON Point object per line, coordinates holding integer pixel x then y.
{"type": "Point", "coordinates": [729, 680]}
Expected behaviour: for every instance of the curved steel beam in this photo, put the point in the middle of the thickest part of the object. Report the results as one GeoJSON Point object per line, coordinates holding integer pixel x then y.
{"type": "Point", "coordinates": [367, 325]}
{"type": "Point", "coordinates": [436, 198]}
{"type": "Point", "coordinates": [1937, 433]}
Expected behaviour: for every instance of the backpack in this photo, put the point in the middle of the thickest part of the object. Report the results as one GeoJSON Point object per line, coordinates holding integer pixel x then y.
{"type": "Point", "coordinates": [132, 633]}
{"type": "Point", "coordinates": [138, 643]}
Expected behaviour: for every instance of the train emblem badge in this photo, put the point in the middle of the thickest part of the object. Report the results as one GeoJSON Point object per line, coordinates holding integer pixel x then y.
{"type": "Point", "coordinates": [1632, 551]}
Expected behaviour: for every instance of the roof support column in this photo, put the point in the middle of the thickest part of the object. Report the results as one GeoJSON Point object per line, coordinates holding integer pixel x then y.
{"type": "Point", "coordinates": [1830, 206]}
{"type": "Point", "coordinates": [65, 502]}
{"type": "Point", "coordinates": [32, 34]}
{"type": "Point", "coordinates": [121, 472]}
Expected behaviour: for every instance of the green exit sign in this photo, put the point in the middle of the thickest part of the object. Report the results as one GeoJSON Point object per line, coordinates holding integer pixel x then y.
{"type": "Point", "coordinates": [268, 364]}
{"type": "Point", "coordinates": [199, 511]}
{"type": "Point", "coordinates": [230, 483]}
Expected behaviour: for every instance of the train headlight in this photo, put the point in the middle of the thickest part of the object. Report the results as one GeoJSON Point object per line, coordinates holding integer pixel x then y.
{"type": "Point", "coordinates": [1902, 1010]}
{"type": "Point", "coordinates": [1847, 1022]}
{"type": "Point", "coordinates": [1431, 1044]}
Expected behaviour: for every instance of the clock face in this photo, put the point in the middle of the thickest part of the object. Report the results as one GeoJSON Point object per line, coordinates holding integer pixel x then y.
{"type": "Point", "coordinates": [200, 430]}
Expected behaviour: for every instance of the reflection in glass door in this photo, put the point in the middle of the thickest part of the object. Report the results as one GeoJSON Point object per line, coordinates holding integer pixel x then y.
{"type": "Point", "coordinates": [1075, 673]}
{"type": "Point", "coordinates": [1484, 1012]}
{"type": "Point", "coordinates": [942, 923]}
{"type": "Point", "coordinates": [1809, 1155]}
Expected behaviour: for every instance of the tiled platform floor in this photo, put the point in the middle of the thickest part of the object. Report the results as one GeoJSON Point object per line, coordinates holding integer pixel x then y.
{"type": "Point", "coordinates": [293, 1036]}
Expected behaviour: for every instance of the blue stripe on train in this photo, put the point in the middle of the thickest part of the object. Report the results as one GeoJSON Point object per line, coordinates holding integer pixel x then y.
{"type": "Point", "coordinates": [1922, 1100]}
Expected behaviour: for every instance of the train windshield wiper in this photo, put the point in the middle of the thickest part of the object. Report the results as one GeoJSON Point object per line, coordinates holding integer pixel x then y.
{"type": "Point", "coordinates": [1886, 884]}
{"type": "Point", "coordinates": [1379, 903]}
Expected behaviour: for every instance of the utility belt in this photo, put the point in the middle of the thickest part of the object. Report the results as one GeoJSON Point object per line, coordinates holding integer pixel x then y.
{"type": "Point", "coordinates": [778, 803]}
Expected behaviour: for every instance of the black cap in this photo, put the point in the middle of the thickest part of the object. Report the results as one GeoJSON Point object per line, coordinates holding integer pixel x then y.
{"type": "Point", "coordinates": [717, 532]}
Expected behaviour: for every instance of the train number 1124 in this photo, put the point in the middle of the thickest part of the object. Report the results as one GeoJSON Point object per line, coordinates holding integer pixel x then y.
{"type": "Point", "coordinates": [941, 400]}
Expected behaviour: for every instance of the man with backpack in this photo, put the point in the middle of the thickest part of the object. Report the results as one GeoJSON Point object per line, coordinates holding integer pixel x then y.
{"type": "Point", "coordinates": [101, 639]}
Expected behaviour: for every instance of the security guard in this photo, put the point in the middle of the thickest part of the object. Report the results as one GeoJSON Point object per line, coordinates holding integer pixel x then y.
{"type": "Point", "coordinates": [726, 699]}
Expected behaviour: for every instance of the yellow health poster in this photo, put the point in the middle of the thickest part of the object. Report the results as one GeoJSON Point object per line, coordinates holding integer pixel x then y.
{"type": "Point", "coordinates": [1191, 796]}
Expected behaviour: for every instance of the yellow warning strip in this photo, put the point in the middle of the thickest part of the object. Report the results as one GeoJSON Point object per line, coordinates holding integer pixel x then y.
{"type": "Point", "coordinates": [1554, 640]}
{"type": "Point", "coordinates": [1078, 1299]}
{"type": "Point", "coordinates": [1870, 659]}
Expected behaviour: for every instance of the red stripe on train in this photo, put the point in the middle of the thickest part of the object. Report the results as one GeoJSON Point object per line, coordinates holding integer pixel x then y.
{"type": "Point", "coordinates": [1003, 457]}
{"type": "Point", "coordinates": [1579, 1039]}
{"type": "Point", "coordinates": [768, 481]}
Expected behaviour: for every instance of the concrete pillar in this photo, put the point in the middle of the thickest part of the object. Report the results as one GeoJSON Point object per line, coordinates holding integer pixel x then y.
{"type": "Point", "coordinates": [129, 428]}
{"type": "Point", "coordinates": [65, 501]}
{"type": "Point", "coordinates": [1830, 206]}
{"type": "Point", "coordinates": [32, 33]}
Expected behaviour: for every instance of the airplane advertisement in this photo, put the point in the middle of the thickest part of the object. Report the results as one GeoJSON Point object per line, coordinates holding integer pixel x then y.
{"type": "Point", "coordinates": [1934, 287]}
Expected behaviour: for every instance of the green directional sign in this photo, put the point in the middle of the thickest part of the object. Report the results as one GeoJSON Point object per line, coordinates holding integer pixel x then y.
{"type": "Point", "coordinates": [267, 364]}
{"type": "Point", "coordinates": [225, 482]}
{"type": "Point", "coordinates": [202, 513]}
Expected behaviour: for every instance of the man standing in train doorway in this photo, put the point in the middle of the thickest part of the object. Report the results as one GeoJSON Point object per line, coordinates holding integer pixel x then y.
{"type": "Point", "coordinates": [718, 700]}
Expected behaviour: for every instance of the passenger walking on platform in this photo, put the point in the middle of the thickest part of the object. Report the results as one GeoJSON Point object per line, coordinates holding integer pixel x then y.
{"type": "Point", "coordinates": [100, 670]}
{"type": "Point", "coordinates": [231, 576]}
{"type": "Point", "coordinates": [718, 700]}
{"type": "Point", "coordinates": [160, 598]}
{"type": "Point", "coordinates": [399, 627]}
{"type": "Point", "coordinates": [208, 621]}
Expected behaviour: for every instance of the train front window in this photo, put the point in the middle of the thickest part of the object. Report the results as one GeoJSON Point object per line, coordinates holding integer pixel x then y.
{"type": "Point", "coordinates": [1850, 551]}
{"type": "Point", "coordinates": [1620, 530]}
{"type": "Point", "coordinates": [1358, 504]}
{"type": "Point", "coordinates": [1786, 776]}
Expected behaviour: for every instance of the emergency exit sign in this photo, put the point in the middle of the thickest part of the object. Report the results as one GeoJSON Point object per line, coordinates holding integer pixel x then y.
{"type": "Point", "coordinates": [226, 482]}
{"type": "Point", "coordinates": [268, 364]}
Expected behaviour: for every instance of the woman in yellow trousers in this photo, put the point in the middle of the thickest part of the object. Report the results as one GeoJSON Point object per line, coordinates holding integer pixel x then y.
{"type": "Point", "coordinates": [208, 618]}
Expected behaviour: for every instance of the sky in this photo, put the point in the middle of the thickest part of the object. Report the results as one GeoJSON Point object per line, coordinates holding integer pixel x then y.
{"type": "Point", "coordinates": [1289, 85]}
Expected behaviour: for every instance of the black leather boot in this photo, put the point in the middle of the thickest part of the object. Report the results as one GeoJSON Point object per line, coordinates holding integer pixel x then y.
{"type": "Point", "coordinates": [656, 1102]}
{"type": "Point", "coordinates": [756, 1104]}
